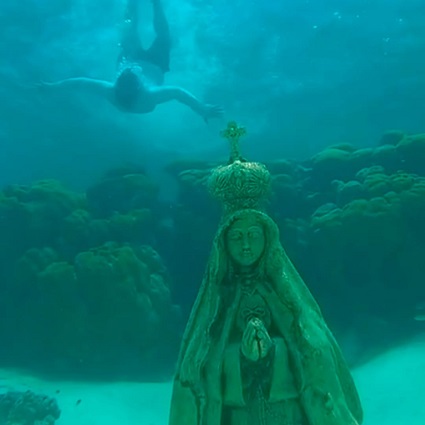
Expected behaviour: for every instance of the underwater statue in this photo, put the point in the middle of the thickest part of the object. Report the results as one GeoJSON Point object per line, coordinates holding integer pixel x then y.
{"type": "Point", "coordinates": [256, 349]}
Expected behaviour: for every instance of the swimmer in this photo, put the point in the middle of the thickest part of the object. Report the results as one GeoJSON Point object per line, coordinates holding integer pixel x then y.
{"type": "Point", "coordinates": [139, 87]}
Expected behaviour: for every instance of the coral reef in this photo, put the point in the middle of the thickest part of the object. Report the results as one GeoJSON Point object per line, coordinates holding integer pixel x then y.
{"type": "Point", "coordinates": [28, 408]}
{"type": "Point", "coordinates": [112, 303]}
{"type": "Point", "coordinates": [90, 282]}
{"type": "Point", "coordinates": [82, 288]}
{"type": "Point", "coordinates": [122, 190]}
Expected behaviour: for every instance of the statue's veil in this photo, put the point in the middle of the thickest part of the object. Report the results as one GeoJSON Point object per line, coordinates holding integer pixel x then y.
{"type": "Point", "coordinates": [295, 313]}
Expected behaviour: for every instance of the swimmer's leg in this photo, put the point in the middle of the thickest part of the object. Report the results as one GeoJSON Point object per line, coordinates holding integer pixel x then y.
{"type": "Point", "coordinates": [159, 52]}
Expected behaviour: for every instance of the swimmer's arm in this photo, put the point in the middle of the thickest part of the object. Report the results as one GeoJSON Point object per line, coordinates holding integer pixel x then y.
{"type": "Point", "coordinates": [164, 94]}
{"type": "Point", "coordinates": [100, 87]}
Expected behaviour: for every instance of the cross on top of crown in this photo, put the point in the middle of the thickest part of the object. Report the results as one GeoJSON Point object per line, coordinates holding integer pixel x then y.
{"type": "Point", "coordinates": [233, 133]}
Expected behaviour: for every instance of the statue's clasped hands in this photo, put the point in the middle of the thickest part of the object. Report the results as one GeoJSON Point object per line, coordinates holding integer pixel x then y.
{"type": "Point", "coordinates": [256, 341]}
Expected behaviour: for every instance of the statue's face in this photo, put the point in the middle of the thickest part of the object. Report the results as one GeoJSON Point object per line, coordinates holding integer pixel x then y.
{"type": "Point", "coordinates": [245, 241]}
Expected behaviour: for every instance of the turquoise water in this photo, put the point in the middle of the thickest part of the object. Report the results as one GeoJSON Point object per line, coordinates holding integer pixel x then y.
{"type": "Point", "coordinates": [106, 222]}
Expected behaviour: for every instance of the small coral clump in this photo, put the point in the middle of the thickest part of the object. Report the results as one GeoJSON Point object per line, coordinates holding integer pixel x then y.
{"type": "Point", "coordinates": [28, 408]}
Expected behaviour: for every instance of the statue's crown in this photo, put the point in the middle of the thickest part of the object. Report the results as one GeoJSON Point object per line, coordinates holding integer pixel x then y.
{"type": "Point", "coordinates": [239, 184]}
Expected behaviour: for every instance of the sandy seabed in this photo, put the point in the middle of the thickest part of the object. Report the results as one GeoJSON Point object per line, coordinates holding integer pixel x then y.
{"type": "Point", "coordinates": [392, 389]}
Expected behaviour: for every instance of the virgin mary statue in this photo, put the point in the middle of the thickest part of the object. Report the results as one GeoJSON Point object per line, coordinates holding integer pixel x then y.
{"type": "Point", "coordinates": [256, 349]}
